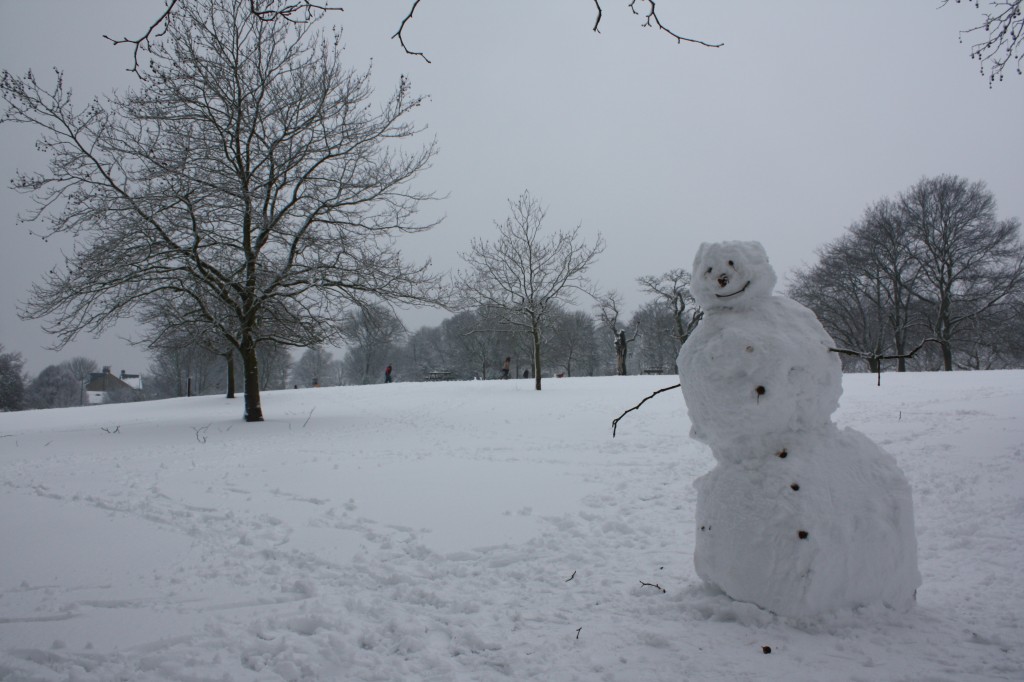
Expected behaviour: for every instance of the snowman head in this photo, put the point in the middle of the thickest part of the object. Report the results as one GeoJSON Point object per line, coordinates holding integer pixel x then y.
{"type": "Point", "coordinates": [731, 275]}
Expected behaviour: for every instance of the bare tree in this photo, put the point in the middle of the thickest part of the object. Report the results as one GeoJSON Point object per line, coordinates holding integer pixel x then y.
{"type": "Point", "coordinates": [472, 344]}
{"type": "Point", "coordinates": [181, 366]}
{"type": "Point", "coordinates": [373, 333]}
{"type": "Point", "coordinates": [672, 289]}
{"type": "Point", "coordinates": [316, 367]}
{"type": "Point", "coordinates": [275, 365]}
{"type": "Point", "coordinates": [657, 345]}
{"type": "Point", "coordinates": [608, 313]}
{"type": "Point", "coordinates": [884, 256]}
{"type": "Point", "coordinates": [573, 343]}
{"type": "Point", "coordinates": [424, 350]}
{"type": "Point", "coordinates": [252, 169]}
{"type": "Point", "coordinates": [12, 381]}
{"type": "Point", "coordinates": [81, 368]}
{"type": "Point", "coordinates": [845, 293]}
{"type": "Point", "coordinates": [522, 277]}
{"type": "Point", "coordinates": [55, 386]}
{"type": "Point", "coordinates": [1001, 40]}
{"type": "Point", "coordinates": [172, 323]}
{"type": "Point", "coordinates": [969, 261]}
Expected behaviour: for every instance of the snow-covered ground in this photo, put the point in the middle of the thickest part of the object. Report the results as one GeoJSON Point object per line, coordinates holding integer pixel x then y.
{"type": "Point", "coordinates": [473, 530]}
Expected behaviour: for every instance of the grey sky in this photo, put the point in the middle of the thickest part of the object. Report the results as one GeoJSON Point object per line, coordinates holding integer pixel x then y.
{"type": "Point", "coordinates": [811, 111]}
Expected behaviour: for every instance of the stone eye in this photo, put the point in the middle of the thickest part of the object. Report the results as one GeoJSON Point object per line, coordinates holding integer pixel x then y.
{"type": "Point", "coordinates": [708, 271]}
{"type": "Point", "coordinates": [731, 264]}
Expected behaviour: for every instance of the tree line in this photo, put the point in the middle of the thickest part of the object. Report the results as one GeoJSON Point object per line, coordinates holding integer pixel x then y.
{"type": "Point", "coordinates": [470, 344]}
{"type": "Point", "coordinates": [931, 278]}
{"type": "Point", "coordinates": [933, 268]}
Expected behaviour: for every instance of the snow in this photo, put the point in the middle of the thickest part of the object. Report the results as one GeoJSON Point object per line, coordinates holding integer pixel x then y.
{"type": "Point", "coordinates": [797, 517]}
{"type": "Point", "coordinates": [473, 530]}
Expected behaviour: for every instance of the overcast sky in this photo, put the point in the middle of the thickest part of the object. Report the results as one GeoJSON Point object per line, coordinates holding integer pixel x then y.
{"type": "Point", "coordinates": [810, 112]}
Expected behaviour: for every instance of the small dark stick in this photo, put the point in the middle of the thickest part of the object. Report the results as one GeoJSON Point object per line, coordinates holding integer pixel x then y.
{"type": "Point", "coordinates": [615, 422]}
{"type": "Point", "coordinates": [877, 359]}
{"type": "Point", "coordinates": [663, 590]}
{"type": "Point", "coordinates": [578, 631]}
{"type": "Point", "coordinates": [571, 576]}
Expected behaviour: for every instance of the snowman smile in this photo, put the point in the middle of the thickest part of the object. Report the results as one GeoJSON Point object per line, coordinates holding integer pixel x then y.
{"type": "Point", "coordinates": [739, 291]}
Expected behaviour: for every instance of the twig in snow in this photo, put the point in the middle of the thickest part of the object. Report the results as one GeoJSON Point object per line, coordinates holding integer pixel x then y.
{"type": "Point", "coordinates": [117, 429]}
{"type": "Point", "coordinates": [615, 422]}
{"type": "Point", "coordinates": [309, 417]}
{"type": "Point", "coordinates": [201, 433]}
{"type": "Point", "coordinates": [663, 590]}
{"type": "Point", "coordinates": [578, 631]}
{"type": "Point", "coordinates": [571, 576]}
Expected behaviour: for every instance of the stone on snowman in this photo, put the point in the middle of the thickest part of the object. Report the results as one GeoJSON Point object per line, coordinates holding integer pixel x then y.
{"type": "Point", "coordinates": [798, 517]}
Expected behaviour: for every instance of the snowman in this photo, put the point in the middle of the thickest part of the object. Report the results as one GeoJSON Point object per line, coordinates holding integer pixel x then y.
{"type": "Point", "coordinates": [798, 517]}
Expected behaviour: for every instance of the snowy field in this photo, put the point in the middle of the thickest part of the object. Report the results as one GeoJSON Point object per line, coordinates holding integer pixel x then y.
{"type": "Point", "coordinates": [473, 531]}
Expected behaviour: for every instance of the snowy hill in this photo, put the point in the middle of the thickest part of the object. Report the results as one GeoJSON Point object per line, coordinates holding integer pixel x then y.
{"type": "Point", "coordinates": [472, 530]}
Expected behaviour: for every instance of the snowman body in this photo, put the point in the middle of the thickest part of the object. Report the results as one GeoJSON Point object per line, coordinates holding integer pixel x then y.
{"type": "Point", "coordinates": [798, 516]}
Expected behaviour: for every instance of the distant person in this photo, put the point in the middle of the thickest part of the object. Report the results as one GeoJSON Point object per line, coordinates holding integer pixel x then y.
{"type": "Point", "coordinates": [526, 373]}
{"type": "Point", "coordinates": [387, 375]}
{"type": "Point", "coordinates": [505, 367]}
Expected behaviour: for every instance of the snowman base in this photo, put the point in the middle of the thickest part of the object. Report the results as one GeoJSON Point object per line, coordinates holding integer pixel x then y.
{"type": "Point", "coordinates": [808, 523]}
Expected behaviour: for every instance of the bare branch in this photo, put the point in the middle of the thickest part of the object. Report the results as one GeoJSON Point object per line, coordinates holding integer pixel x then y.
{"type": "Point", "coordinates": [651, 20]}
{"type": "Point", "coordinates": [155, 30]}
{"type": "Point", "coordinates": [400, 35]}
{"type": "Point", "coordinates": [876, 358]}
{"type": "Point", "coordinates": [302, 11]}
{"type": "Point", "coordinates": [1002, 37]}
{"type": "Point", "coordinates": [615, 422]}
{"type": "Point", "coordinates": [286, 12]}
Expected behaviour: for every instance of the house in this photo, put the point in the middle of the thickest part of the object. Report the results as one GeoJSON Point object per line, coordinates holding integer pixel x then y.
{"type": "Point", "coordinates": [104, 387]}
{"type": "Point", "coordinates": [133, 380]}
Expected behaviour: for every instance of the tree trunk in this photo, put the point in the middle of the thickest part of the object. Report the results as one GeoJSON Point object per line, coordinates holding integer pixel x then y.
{"type": "Point", "coordinates": [536, 357]}
{"type": "Point", "coordinates": [621, 346]}
{"type": "Point", "coordinates": [230, 356]}
{"type": "Point", "coordinates": [945, 339]}
{"type": "Point", "coordinates": [947, 356]}
{"type": "Point", "coordinates": [250, 369]}
{"type": "Point", "coordinates": [901, 346]}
